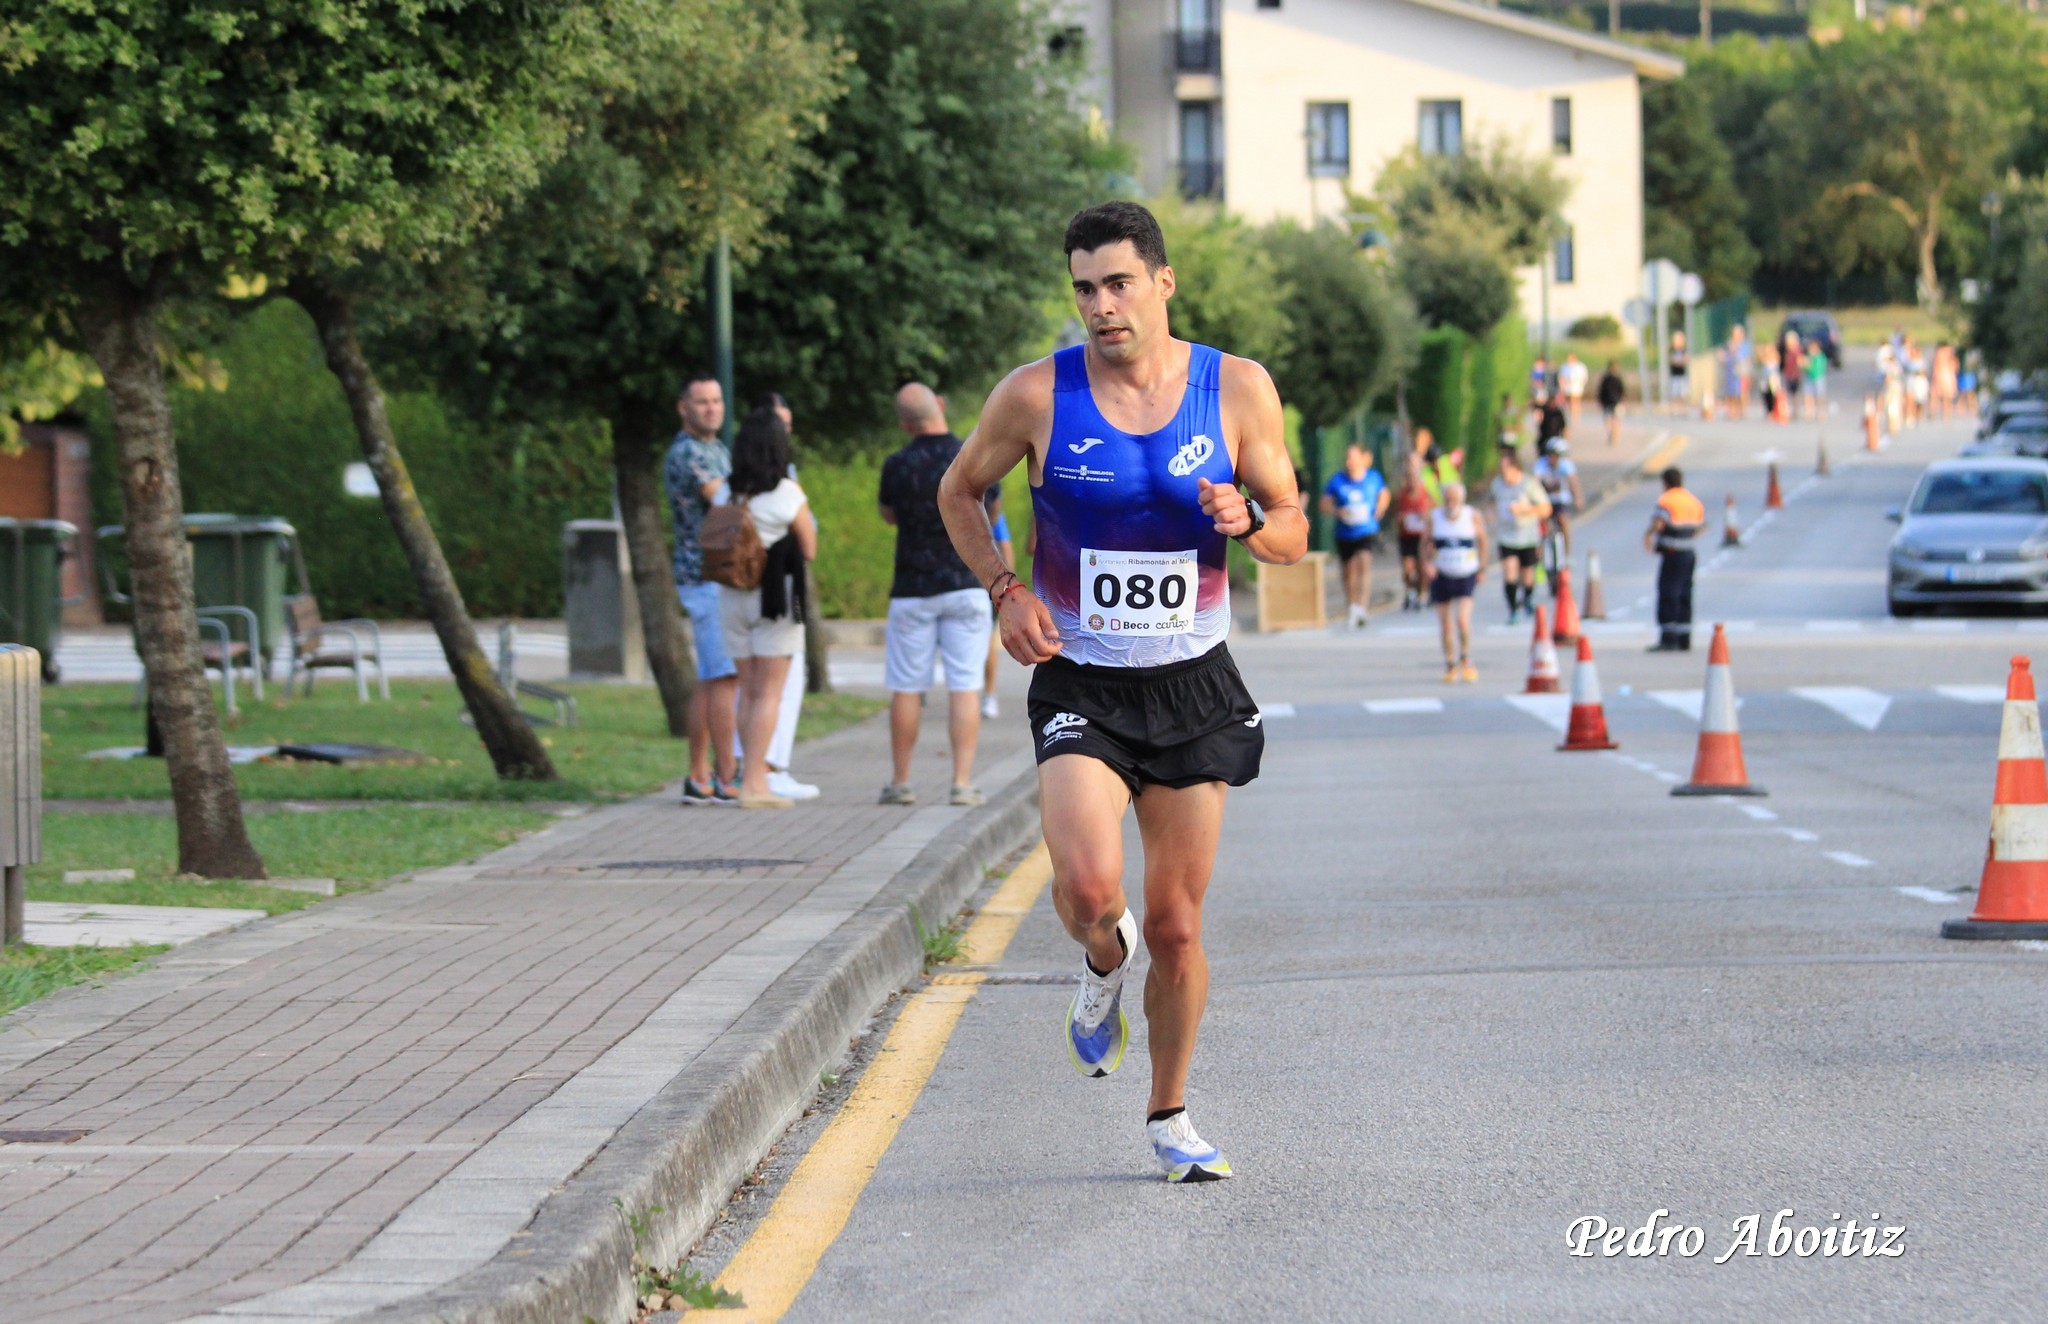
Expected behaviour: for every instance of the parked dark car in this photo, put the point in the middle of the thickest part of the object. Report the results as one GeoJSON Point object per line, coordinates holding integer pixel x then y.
{"type": "Point", "coordinates": [1974, 531]}
{"type": "Point", "coordinates": [1815, 328]}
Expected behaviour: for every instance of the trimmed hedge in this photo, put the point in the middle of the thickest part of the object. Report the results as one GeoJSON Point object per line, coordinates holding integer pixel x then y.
{"type": "Point", "coordinates": [1456, 386]}
{"type": "Point", "coordinates": [276, 440]}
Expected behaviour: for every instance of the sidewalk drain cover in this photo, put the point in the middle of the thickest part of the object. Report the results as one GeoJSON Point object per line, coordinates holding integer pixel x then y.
{"type": "Point", "coordinates": [699, 866]}
{"type": "Point", "coordinates": [57, 1137]}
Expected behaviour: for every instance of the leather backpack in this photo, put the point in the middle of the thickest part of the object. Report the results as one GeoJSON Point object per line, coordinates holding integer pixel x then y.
{"type": "Point", "coordinates": [733, 554]}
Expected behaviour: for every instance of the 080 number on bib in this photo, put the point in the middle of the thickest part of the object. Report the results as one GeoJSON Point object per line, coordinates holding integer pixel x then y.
{"type": "Point", "coordinates": [1137, 592]}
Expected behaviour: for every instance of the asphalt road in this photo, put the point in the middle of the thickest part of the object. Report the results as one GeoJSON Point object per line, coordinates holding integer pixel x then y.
{"type": "Point", "coordinates": [1469, 990]}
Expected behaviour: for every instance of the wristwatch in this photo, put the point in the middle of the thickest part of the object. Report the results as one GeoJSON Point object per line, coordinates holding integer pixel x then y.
{"type": "Point", "coordinates": [1258, 514]}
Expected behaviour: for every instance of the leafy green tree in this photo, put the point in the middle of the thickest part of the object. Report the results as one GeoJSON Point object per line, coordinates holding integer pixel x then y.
{"type": "Point", "coordinates": [1456, 270]}
{"type": "Point", "coordinates": [1692, 211]}
{"type": "Point", "coordinates": [1228, 292]}
{"type": "Point", "coordinates": [574, 304]}
{"type": "Point", "coordinates": [2009, 322]}
{"type": "Point", "coordinates": [1493, 185]}
{"type": "Point", "coordinates": [920, 238]}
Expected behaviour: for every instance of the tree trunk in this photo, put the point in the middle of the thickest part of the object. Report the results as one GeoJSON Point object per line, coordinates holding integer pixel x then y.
{"type": "Point", "coordinates": [515, 751]}
{"type": "Point", "coordinates": [1930, 276]}
{"type": "Point", "coordinates": [669, 653]}
{"type": "Point", "coordinates": [817, 652]}
{"type": "Point", "coordinates": [119, 325]}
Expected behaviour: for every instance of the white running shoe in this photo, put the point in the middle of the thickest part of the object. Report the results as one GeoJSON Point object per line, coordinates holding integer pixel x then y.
{"type": "Point", "coordinates": [1097, 1029]}
{"type": "Point", "coordinates": [989, 707]}
{"type": "Point", "coordinates": [1185, 1155]}
{"type": "Point", "coordinates": [788, 787]}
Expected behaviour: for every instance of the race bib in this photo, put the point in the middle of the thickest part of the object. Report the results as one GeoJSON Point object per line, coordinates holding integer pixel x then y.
{"type": "Point", "coordinates": [1356, 514]}
{"type": "Point", "coordinates": [1137, 592]}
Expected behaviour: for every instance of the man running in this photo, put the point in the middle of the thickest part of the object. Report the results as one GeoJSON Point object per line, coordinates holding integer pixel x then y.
{"type": "Point", "coordinates": [1519, 507]}
{"type": "Point", "coordinates": [1357, 497]}
{"type": "Point", "coordinates": [1142, 450]}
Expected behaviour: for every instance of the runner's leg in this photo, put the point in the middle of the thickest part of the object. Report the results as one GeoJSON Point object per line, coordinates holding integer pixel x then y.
{"type": "Point", "coordinates": [1081, 810]}
{"type": "Point", "coordinates": [1180, 828]}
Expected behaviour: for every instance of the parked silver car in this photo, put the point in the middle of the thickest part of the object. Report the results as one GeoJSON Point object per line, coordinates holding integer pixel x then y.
{"type": "Point", "coordinates": [2020, 434]}
{"type": "Point", "coordinates": [1974, 531]}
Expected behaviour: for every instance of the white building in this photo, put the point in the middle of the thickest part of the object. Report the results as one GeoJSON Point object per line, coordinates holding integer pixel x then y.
{"type": "Point", "coordinates": [1274, 106]}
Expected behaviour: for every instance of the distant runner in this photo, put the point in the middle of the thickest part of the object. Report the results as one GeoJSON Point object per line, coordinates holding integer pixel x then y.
{"type": "Point", "coordinates": [1456, 563]}
{"type": "Point", "coordinates": [1358, 497]}
{"type": "Point", "coordinates": [1136, 444]}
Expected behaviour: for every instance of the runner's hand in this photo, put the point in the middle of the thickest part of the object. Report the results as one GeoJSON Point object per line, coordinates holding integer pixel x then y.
{"type": "Point", "coordinates": [1026, 628]}
{"type": "Point", "coordinates": [1223, 503]}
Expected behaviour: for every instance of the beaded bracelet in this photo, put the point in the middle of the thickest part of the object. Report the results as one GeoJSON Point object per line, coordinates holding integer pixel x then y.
{"type": "Point", "coordinates": [993, 595]}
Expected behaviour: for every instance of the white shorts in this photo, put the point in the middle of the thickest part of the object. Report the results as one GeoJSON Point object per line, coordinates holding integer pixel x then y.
{"type": "Point", "coordinates": [953, 627]}
{"type": "Point", "coordinates": [747, 634]}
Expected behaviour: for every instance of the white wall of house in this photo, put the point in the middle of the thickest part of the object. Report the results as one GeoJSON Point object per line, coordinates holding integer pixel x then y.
{"type": "Point", "coordinates": [1383, 58]}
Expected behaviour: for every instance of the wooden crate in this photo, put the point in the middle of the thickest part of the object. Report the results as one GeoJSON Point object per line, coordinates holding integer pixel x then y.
{"type": "Point", "coordinates": [1291, 596]}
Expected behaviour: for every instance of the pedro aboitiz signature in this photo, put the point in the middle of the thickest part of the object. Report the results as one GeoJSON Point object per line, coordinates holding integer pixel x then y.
{"type": "Point", "coordinates": [1785, 1235]}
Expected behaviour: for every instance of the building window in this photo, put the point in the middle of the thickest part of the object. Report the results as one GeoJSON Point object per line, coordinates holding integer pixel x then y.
{"type": "Point", "coordinates": [1442, 128]}
{"type": "Point", "coordinates": [1563, 258]}
{"type": "Point", "coordinates": [1197, 38]}
{"type": "Point", "coordinates": [1068, 43]}
{"type": "Point", "coordinates": [1201, 167]}
{"type": "Point", "coordinates": [1269, 4]}
{"type": "Point", "coordinates": [1329, 138]}
{"type": "Point", "coordinates": [1561, 125]}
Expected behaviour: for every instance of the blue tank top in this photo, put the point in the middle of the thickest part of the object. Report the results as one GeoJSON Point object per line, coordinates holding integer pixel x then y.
{"type": "Point", "coordinates": [1132, 570]}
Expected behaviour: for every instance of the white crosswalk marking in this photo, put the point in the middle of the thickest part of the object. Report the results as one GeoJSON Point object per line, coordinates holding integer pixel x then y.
{"type": "Point", "coordinates": [1553, 710]}
{"type": "Point", "coordinates": [1391, 707]}
{"type": "Point", "coordinates": [1928, 894]}
{"type": "Point", "coordinates": [1850, 858]}
{"type": "Point", "coordinates": [1866, 708]}
{"type": "Point", "coordinates": [1688, 702]}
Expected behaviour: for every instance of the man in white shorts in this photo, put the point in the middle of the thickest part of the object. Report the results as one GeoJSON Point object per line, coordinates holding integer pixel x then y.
{"type": "Point", "coordinates": [937, 608]}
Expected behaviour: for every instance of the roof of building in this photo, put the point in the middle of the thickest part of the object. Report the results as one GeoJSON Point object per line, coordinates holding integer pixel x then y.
{"type": "Point", "coordinates": [1647, 63]}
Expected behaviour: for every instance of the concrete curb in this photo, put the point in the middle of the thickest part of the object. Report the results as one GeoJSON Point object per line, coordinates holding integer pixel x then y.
{"type": "Point", "coordinates": [687, 1150]}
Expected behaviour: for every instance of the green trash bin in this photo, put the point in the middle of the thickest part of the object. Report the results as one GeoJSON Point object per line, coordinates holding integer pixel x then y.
{"type": "Point", "coordinates": [31, 585]}
{"type": "Point", "coordinates": [242, 561]}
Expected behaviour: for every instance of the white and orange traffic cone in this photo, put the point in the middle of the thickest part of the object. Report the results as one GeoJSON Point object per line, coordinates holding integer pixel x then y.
{"type": "Point", "coordinates": [1588, 726]}
{"type": "Point", "coordinates": [1542, 659]}
{"type": "Point", "coordinates": [1717, 767]}
{"type": "Point", "coordinates": [1731, 530]}
{"type": "Point", "coordinates": [1774, 497]}
{"type": "Point", "coordinates": [1871, 440]}
{"type": "Point", "coordinates": [1566, 630]}
{"type": "Point", "coordinates": [1596, 597]}
{"type": "Point", "coordinates": [2012, 898]}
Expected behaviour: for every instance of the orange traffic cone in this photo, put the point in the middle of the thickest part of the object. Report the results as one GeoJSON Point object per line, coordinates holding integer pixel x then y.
{"type": "Point", "coordinates": [1731, 532]}
{"type": "Point", "coordinates": [1588, 727]}
{"type": "Point", "coordinates": [1717, 765]}
{"type": "Point", "coordinates": [1773, 498]}
{"type": "Point", "coordinates": [2012, 899]}
{"type": "Point", "coordinates": [1542, 659]}
{"type": "Point", "coordinates": [1596, 599]}
{"type": "Point", "coordinates": [1567, 629]}
{"type": "Point", "coordinates": [1871, 441]}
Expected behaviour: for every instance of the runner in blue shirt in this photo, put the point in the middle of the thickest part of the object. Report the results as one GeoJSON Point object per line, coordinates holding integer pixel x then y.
{"type": "Point", "coordinates": [1357, 496]}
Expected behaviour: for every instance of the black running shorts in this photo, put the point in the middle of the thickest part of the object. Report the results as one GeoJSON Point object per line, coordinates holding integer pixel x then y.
{"type": "Point", "coordinates": [1350, 547]}
{"type": "Point", "coordinates": [1178, 725]}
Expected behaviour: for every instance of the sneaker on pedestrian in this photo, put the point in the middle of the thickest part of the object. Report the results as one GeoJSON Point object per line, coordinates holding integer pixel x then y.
{"type": "Point", "coordinates": [1097, 1029]}
{"type": "Point", "coordinates": [1470, 674]}
{"type": "Point", "coordinates": [898, 793]}
{"type": "Point", "coordinates": [693, 794]}
{"type": "Point", "coordinates": [968, 796]}
{"type": "Point", "coordinates": [748, 800]}
{"type": "Point", "coordinates": [788, 787]}
{"type": "Point", "coordinates": [725, 796]}
{"type": "Point", "coordinates": [1451, 674]}
{"type": "Point", "coordinates": [1185, 1156]}
{"type": "Point", "coordinates": [989, 708]}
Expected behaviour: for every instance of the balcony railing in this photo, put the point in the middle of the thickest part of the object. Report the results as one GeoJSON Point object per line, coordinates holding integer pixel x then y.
{"type": "Point", "coordinates": [1201, 179]}
{"type": "Point", "coordinates": [1197, 51]}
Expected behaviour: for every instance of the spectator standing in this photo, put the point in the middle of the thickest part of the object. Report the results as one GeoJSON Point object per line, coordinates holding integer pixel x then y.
{"type": "Point", "coordinates": [1678, 368]}
{"type": "Point", "coordinates": [1945, 379]}
{"type": "Point", "coordinates": [1571, 383]}
{"type": "Point", "coordinates": [1816, 394]}
{"type": "Point", "coordinates": [1674, 525]}
{"type": "Point", "coordinates": [1539, 381]}
{"type": "Point", "coordinates": [1612, 392]}
{"type": "Point", "coordinates": [694, 474]}
{"type": "Point", "coordinates": [764, 626]}
{"type": "Point", "coordinates": [1358, 497]}
{"type": "Point", "coordinates": [782, 747]}
{"type": "Point", "coordinates": [1792, 368]}
{"type": "Point", "coordinates": [937, 609]}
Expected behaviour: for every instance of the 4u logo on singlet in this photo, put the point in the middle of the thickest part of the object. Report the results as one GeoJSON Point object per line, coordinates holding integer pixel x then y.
{"type": "Point", "coordinates": [1192, 455]}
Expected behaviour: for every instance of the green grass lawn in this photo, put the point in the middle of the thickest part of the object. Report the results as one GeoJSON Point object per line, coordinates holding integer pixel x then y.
{"type": "Point", "coordinates": [28, 973]}
{"type": "Point", "coordinates": [352, 846]}
{"type": "Point", "coordinates": [619, 747]}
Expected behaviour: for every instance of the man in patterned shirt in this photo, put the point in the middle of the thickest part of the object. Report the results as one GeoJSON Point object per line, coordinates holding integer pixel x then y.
{"type": "Point", "coordinates": [695, 472]}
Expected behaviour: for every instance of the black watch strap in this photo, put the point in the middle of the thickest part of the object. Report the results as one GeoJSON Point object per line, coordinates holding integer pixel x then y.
{"type": "Point", "coordinates": [1258, 514]}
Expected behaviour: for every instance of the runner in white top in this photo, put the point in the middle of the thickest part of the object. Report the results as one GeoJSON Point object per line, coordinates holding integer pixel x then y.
{"type": "Point", "coordinates": [1455, 562]}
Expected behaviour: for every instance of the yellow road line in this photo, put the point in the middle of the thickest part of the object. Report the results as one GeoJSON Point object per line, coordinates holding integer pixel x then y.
{"type": "Point", "coordinates": [812, 1209]}
{"type": "Point", "coordinates": [1661, 458]}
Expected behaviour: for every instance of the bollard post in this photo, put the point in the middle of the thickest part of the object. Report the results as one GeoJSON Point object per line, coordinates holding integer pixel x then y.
{"type": "Point", "coordinates": [21, 782]}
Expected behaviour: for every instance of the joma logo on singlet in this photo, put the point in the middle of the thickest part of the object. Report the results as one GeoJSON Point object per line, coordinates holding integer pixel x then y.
{"type": "Point", "coordinates": [1084, 446]}
{"type": "Point", "coordinates": [1193, 454]}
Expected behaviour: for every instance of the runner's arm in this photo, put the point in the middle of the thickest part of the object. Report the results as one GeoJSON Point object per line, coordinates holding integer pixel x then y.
{"type": "Point", "coordinates": [1264, 471]}
{"type": "Point", "coordinates": [1017, 411]}
{"type": "Point", "coordinates": [1386, 499]}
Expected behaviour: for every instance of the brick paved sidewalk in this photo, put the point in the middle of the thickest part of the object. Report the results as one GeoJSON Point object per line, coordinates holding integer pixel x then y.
{"type": "Point", "coordinates": [348, 1106]}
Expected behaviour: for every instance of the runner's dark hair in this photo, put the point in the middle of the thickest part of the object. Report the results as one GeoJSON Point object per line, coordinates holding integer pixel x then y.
{"type": "Point", "coordinates": [1673, 478]}
{"type": "Point", "coordinates": [701, 375]}
{"type": "Point", "coordinates": [760, 453]}
{"type": "Point", "coordinates": [1111, 222]}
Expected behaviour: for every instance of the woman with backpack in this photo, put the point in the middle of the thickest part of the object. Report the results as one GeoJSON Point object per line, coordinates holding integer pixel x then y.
{"type": "Point", "coordinates": [756, 548]}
